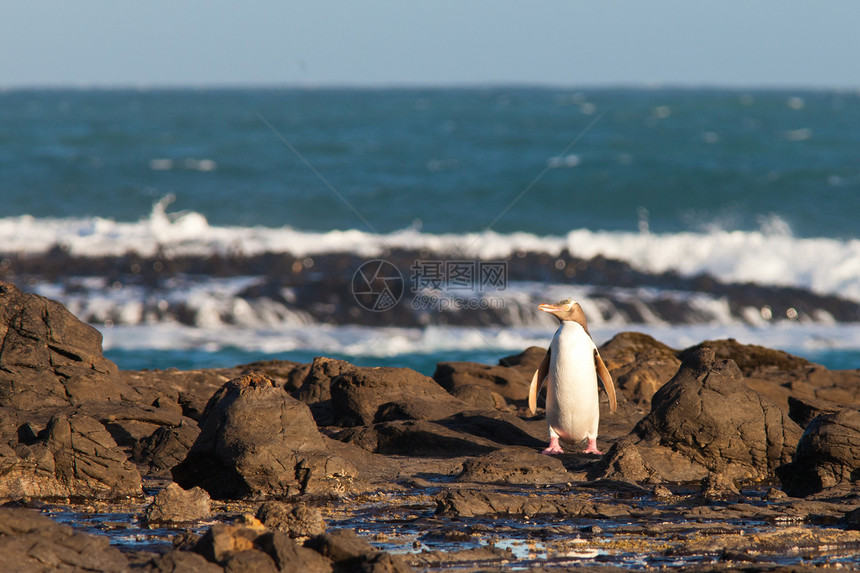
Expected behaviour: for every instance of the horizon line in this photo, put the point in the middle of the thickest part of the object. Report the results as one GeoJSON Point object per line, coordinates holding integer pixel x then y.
{"type": "Point", "coordinates": [406, 86]}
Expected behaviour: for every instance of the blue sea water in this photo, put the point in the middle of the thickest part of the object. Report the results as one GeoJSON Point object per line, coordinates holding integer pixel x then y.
{"type": "Point", "coordinates": [454, 159]}
{"type": "Point", "coordinates": [747, 185]}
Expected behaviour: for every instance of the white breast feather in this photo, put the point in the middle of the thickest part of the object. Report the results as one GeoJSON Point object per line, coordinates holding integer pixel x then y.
{"type": "Point", "coordinates": [573, 407]}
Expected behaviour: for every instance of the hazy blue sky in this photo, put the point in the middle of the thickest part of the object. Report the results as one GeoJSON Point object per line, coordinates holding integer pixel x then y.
{"type": "Point", "coordinates": [380, 42]}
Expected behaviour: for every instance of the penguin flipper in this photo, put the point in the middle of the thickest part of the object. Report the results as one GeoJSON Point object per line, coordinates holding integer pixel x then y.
{"type": "Point", "coordinates": [608, 385]}
{"type": "Point", "coordinates": [537, 382]}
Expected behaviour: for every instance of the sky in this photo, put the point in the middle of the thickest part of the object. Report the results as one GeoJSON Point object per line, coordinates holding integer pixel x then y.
{"type": "Point", "coordinates": [752, 43]}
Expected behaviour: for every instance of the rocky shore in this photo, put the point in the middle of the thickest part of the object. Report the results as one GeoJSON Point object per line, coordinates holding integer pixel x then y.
{"type": "Point", "coordinates": [721, 456]}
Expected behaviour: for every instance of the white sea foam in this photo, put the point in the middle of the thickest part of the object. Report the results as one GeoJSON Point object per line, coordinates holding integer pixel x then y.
{"type": "Point", "coordinates": [210, 315]}
{"type": "Point", "coordinates": [803, 340]}
{"type": "Point", "coordinates": [771, 255]}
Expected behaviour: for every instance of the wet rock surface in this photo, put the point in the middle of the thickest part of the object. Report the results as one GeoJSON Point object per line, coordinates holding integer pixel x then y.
{"type": "Point", "coordinates": [74, 456]}
{"type": "Point", "coordinates": [827, 455]}
{"type": "Point", "coordinates": [510, 378]}
{"type": "Point", "coordinates": [779, 375]}
{"type": "Point", "coordinates": [294, 520]}
{"type": "Point", "coordinates": [332, 467]}
{"type": "Point", "coordinates": [256, 441]}
{"type": "Point", "coordinates": [32, 542]}
{"type": "Point", "coordinates": [315, 389]}
{"type": "Point", "coordinates": [639, 365]}
{"type": "Point", "coordinates": [159, 452]}
{"type": "Point", "coordinates": [247, 545]}
{"type": "Point", "coordinates": [49, 357]}
{"type": "Point", "coordinates": [362, 396]}
{"type": "Point", "coordinates": [514, 465]}
{"type": "Point", "coordinates": [174, 505]}
{"type": "Point", "coordinates": [705, 420]}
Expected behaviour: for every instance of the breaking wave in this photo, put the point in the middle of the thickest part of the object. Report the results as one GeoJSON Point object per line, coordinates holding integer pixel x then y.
{"type": "Point", "coordinates": [769, 256]}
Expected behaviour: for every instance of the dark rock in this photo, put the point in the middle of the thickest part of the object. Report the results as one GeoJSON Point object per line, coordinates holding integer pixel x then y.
{"type": "Point", "coordinates": [165, 448]}
{"type": "Point", "coordinates": [290, 557]}
{"type": "Point", "coordinates": [624, 461]}
{"type": "Point", "coordinates": [718, 486]}
{"type": "Point", "coordinates": [86, 455]}
{"type": "Point", "coordinates": [316, 387]}
{"type": "Point", "coordinates": [341, 545]}
{"type": "Point", "coordinates": [468, 433]}
{"type": "Point", "coordinates": [75, 456]}
{"type": "Point", "coordinates": [257, 441]}
{"type": "Point", "coordinates": [772, 373]}
{"type": "Point", "coordinates": [478, 396]}
{"type": "Point", "coordinates": [828, 454]}
{"type": "Point", "coordinates": [663, 493]}
{"type": "Point", "coordinates": [639, 365]}
{"type": "Point", "coordinates": [27, 434]}
{"type": "Point", "coordinates": [249, 561]}
{"type": "Point", "coordinates": [514, 465]}
{"type": "Point", "coordinates": [128, 422]}
{"type": "Point", "coordinates": [291, 375]}
{"type": "Point", "coordinates": [315, 390]}
{"type": "Point", "coordinates": [127, 432]}
{"type": "Point", "coordinates": [469, 503]}
{"type": "Point", "coordinates": [775, 494]}
{"type": "Point", "coordinates": [351, 553]}
{"type": "Point", "coordinates": [804, 410]}
{"type": "Point", "coordinates": [634, 459]}
{"type": "Point", "coordinates": [223, 540]}
{"type": "Point", "coordinates": [779, 375]}
{"type": "Point", "coordinates": [189, 389]}
{"type": "Point", "coordinates": [32, 542]}
{"type": "Point", "coordinates": [379, 562]}
{"type": "Point", "coordinates": [375, 468]}
{"type": "Point", "coordinates": [48, 356]}
{"type": "Point", "coordinates": [294, 520]}
{"type": "Point", "coordinates": [768, 546]}
{"type": "Point", "coordinates": [182, 562]}
{"type": "Point", "coordinates": [186, 541]}
{"type": "Point", "coordinates": [500, 427]}
{"type": "Point", "coordinates": [430, 560]}
{"type": "Point", "coordinates": [851, 520]}
{"type": "Point", "coordinates": [510, 378]}
{"type": "Point", "coordinates": [362, 396]}
{"type": "Point", "coordinates": [527, 361]}
{"type": "Point", "coordinates": [415, 438]}
{"type": "Point", "coordinates": [820, 511]}
{"type": "Point", "coordinates": [838, 386]}
{"type": "Point", "coordinates": [174, 505]}
{"type": "Point", "coordinates": [247, 545]}
{"type": "Point", "coordinates": [12, 426]}
{"type": "Point", "coordinates": [749, 358]}
{"type": "Point", "coordinates": [708, 416]}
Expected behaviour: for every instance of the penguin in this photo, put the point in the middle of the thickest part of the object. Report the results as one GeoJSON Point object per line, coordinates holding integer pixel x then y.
{"type": "Point", "coordinates": [570, 369]}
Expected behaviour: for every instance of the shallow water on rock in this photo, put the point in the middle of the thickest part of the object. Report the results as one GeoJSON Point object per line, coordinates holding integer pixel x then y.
{"type": "Point", "coordinates": [648, 533]}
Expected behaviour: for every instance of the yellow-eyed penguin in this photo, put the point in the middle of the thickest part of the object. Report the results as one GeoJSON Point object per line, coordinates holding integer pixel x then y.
{"type": "Point", "coordinates": [570, 369]}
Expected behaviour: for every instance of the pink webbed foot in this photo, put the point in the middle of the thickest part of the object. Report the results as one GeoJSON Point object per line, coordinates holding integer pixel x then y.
{"type": "Point", "coordinates": [592, 447]}
{"type": "Point", "coordinates": [554, 447]}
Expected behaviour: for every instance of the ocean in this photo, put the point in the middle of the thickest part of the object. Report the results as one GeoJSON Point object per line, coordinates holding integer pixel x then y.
{"type": "Point", "coordinates": [200, 228]}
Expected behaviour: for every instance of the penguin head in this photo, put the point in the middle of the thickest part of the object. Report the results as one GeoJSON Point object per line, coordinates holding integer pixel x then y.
{"type": "Point", "coordinates": [566, 309]}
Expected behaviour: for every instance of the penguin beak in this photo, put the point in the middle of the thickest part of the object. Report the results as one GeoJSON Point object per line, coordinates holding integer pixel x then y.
{"type": "Point", "coordinates": [550, 308]}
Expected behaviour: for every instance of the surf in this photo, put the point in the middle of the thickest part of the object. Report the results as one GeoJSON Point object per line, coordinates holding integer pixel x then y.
{"type": "Point", "coordinates": [771, 255]}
